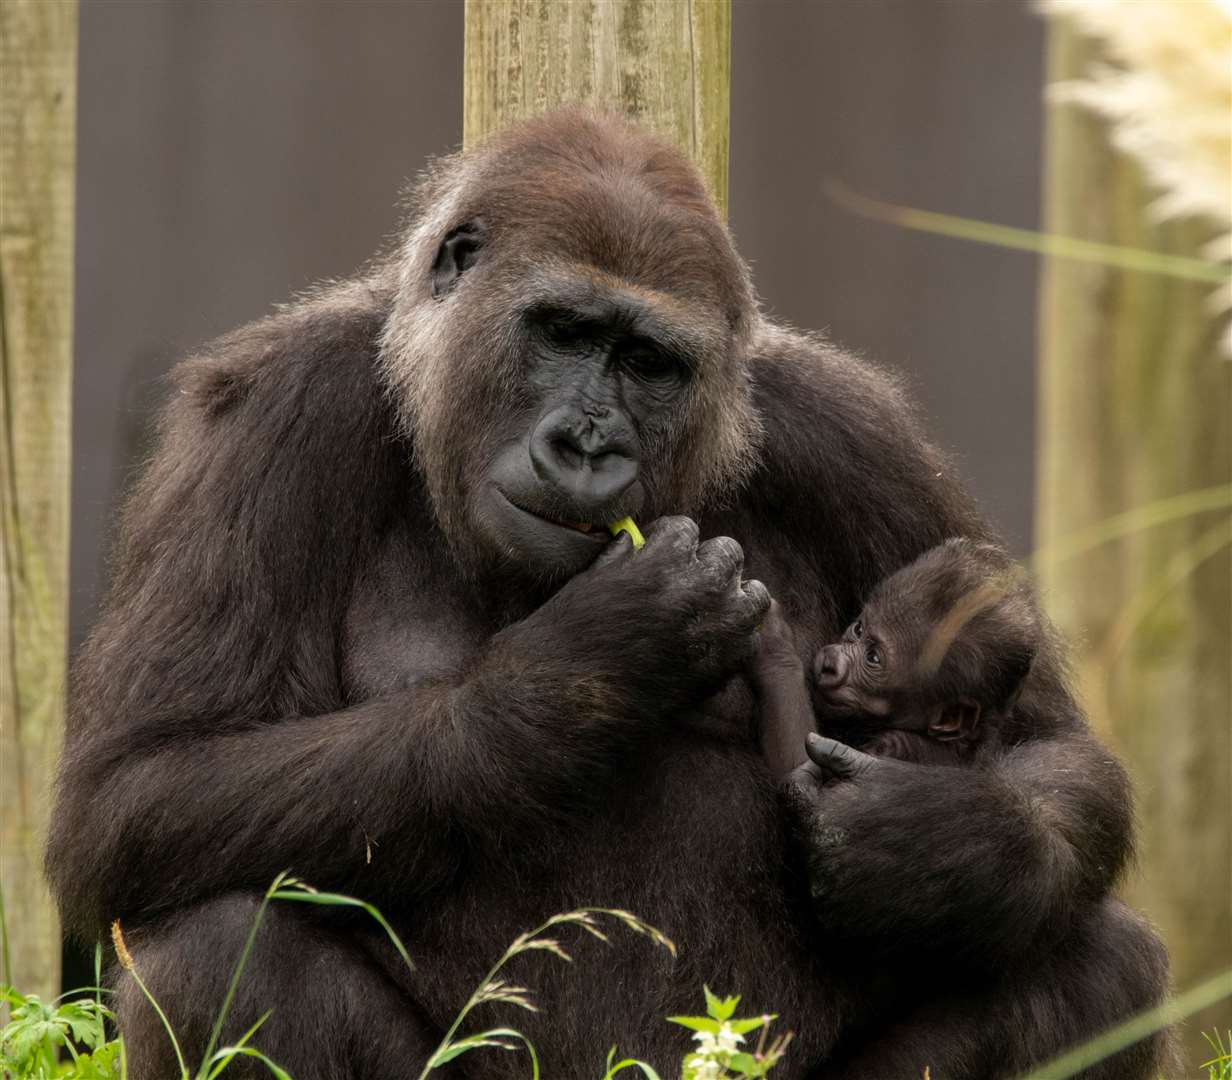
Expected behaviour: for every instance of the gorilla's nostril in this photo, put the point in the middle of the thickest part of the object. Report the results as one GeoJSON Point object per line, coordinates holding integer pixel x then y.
{"type": "Point", "coordinates": [570, 456]}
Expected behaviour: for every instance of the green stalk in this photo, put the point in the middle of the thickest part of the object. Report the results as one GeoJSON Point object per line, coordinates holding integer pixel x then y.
{"type": "Point", "coordinates": [1040, 243]}
{"type": "Point", "coordinates": [1136, 1028]}
{"type": "Point", "coordinates": [239, 970]}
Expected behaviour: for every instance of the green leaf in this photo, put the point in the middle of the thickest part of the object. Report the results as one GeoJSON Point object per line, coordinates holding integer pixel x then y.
{"type": "Point", "coordinates": [720, 1010]}
{"type": "Point", "coordinates": [85, 1019]}
{"type": "Point", "coordinates": [744, 1063]}
{"type": "Point", "coordinates": [103, 1064]}
{"type": "Point", "coordinates": [696, 1023]}
{"type": "Point", "coordinates": [743, 1027]}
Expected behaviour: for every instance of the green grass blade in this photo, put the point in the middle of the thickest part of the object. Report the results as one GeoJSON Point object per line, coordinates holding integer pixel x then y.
{"type": "Point", "coordinates": [98, 974]}
{"type": "Point", "coordinates": [631, 1063]}
{"type": "Point", "coordinates": [220, 1019]}
{"type": "Point", "coordinates": [1140, 518]}
{"type": "Point", "coordinates": [229, 1052]}
{"type": "Point", "coordinates": [1136, 1028]}
{"type": "Point", "coordinates": [1038, 243]}
{"type": "Point", "coordinates": [339, 900]}
{"type": "Point", "coordinates": [4, 944]}
{"type": "Point", "coordinates": [232, 1052]}
{"type": "Point", "coordinates": [162, 1016]}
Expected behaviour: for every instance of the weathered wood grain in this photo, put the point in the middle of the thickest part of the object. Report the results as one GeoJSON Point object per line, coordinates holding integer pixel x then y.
{"type": "Point", "coordinates": [38, 104]}
{"type": "Point", "coordinates": [1134, 408]}
{"type": "Point", "coordinates": [665, 62]}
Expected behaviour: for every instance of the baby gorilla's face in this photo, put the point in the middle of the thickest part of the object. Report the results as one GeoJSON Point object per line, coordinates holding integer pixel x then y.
{"type": "Point", "coordinates": [857, 674]}
{"type": "Point", "coordinates": [870, 680]}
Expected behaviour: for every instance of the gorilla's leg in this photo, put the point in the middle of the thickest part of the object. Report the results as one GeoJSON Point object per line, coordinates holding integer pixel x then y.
{"type": "Point", "coordinates": [1105, 971]}
{"type": "Point", "coordinates": [335, 1015]}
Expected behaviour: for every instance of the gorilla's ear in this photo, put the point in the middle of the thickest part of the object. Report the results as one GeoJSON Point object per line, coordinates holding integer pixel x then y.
{"type": "Point", "coordinates": [459, 251]}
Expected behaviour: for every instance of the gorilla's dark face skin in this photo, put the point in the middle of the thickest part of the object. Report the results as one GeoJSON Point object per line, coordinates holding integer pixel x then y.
{"type": "Point", "coordinates": [863, 672]}
{"type": "Point", "coordinates": [598, 375]}
{"type": "Point", "coordinates": [367, 624]}
{"type": "Point", "coordinates": [597, 372]}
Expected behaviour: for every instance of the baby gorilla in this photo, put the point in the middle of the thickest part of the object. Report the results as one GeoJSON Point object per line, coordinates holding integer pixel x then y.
{"type": "Point", "coordinates": [927, 673]}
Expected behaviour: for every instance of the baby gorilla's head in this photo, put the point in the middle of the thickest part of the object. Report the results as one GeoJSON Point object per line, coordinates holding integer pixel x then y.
{"type": "Point", "coordinates": [939, 644]}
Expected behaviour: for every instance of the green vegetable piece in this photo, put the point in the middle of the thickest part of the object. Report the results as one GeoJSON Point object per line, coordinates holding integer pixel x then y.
{"type": "Point", "coordinates": [626, 525]}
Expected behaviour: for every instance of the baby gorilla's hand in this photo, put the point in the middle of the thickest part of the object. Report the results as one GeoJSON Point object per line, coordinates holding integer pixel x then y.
{"type": "Point", "coordinates": [785, 714]}
{"type": "Point", "coordinates": [775, 657]}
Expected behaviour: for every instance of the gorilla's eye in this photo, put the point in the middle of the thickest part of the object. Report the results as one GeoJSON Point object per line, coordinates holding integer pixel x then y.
{"type": "Point", "coordinates": [649, 364]}
{"type": "Point", "coordinates": [873, 654]}
{"type": "Point", "coordinates": [857, 629]}
{"type": "Point", "coordinates": [562, 331]}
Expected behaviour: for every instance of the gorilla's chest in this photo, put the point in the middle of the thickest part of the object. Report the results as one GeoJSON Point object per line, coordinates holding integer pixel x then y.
{"type": "Point", "coordinates": [404, 628]}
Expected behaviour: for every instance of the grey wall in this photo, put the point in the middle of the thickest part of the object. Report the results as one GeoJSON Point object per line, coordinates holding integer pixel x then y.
{"type": "Point", "coordinates": [232, 153]}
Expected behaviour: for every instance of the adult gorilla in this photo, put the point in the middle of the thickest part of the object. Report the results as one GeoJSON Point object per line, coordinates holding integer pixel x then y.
{"type": "Point", "coordinates": [367, 624]}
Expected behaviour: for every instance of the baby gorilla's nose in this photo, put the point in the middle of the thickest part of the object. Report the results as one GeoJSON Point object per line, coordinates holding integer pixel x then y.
{"type": "Point", "coordinates": [830, 667]}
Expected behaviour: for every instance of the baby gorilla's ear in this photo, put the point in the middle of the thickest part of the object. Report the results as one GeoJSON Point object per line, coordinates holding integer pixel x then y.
{"type": "Point", "coordinates": [955, 720]}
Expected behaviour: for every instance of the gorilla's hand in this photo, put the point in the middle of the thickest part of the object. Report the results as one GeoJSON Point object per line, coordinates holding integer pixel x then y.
{"type": "Point", "coordinates": [667, 622]}
{"type": "Point", "coordinates": [904, 855]}
{"type": "Point", "coordinates": [833, 760]}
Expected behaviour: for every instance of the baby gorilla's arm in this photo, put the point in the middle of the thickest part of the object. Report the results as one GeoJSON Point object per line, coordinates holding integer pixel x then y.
{"type": "Point", "coordinates": [786, 712]}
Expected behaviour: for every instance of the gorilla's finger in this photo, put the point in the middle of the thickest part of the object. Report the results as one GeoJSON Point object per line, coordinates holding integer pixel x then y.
{"type": "Point", "coordinates": [773, 621]}
{"type": "Point", "coordinates": [805, 776]}
{"type": "Point", "coordinates": [672, 534]}
{"type": "Point", "coordinates": [618, 548]}
{"type": "Point", "coordinates": [723, 557]}
{"type": "Point", "coordinates": [759, 600]}
{"type": "Point", "coordinates": [838, 759]}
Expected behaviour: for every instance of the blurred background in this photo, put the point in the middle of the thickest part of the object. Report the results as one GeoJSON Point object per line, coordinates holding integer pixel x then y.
{"type": "Point", "coordinates": [230, 154]}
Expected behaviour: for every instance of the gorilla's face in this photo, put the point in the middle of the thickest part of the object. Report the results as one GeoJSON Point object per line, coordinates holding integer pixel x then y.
{"type": "Point", "coordinates": [571, 348]}
{"type": "Point", "coordinates": [603, 373]}
{"type": "Point", "coordinates": [603, 377]}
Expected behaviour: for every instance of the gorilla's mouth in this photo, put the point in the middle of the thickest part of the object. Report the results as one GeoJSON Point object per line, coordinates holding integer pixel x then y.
{"type": "Point", "coordinates": [586, 528]}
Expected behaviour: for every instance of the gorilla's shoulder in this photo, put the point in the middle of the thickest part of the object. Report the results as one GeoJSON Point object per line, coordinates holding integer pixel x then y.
{"type": "Point", "coordinates": [804, 384]}
{"type": "Point", "coordinates": [843, 454]}
{"type": "Point", "coordinates": [325, 342]}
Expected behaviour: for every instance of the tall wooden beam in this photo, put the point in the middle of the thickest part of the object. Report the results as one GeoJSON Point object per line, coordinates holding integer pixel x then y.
{"type": "Point", "coordinates": [1133, 409]}
{"type": "Point", "coordinates": [666, 63]}
{"type": "Point", "coordinates": [38, 108]}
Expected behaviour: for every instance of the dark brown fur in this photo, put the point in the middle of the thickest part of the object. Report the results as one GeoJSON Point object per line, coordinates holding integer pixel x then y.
{"type": "Point", "coordinates": [315, 658]}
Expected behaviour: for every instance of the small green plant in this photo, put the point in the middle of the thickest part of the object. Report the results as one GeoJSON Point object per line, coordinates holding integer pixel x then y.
{"type": "Point", "coordinates": [720, 1037]}
{"type": "Point", "coordinates": [31, 1042]}
{"type": "Point", "coordinates": [33, 1039]}
{"type": "Point", "coordinates": [1220, 1066]}
{"type": "Point", "coordinates": [494, 989]}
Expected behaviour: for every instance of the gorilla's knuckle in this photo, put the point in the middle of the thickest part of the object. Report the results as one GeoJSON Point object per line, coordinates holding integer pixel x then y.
{"type": "Point", "coordinates": [675, 532]}
{"type": "Point", "coordinates": [723, 554]}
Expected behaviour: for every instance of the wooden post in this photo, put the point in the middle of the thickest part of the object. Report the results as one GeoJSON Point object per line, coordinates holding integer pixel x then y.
{"type": "Point", "coordinates": [38, 107]}
{"type": "Point", "coordinates": [666, 63]}
{"type": "Point", "coordinates": [1134, 407]}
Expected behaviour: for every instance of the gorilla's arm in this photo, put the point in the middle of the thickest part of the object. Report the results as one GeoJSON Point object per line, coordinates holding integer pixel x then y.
{"type": "Point", "coordinates": [978, 859]}
{"type": "Point", "coordinates": [210, 744]}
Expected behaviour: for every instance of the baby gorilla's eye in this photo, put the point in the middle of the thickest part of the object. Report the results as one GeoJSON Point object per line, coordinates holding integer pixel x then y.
{"type": "Point", "coordinates": [873, 655]}
{"type": "Point", "coordinates": [857, 629]}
